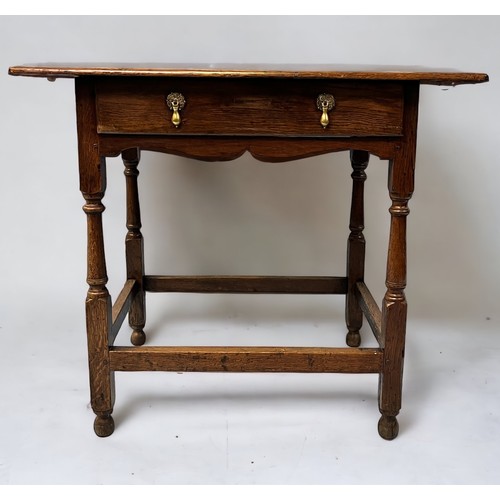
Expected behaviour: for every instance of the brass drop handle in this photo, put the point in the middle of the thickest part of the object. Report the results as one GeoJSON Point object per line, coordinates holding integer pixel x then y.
{"type": "Point", "coordinates": [175, 102]}
{"type": "Point", "coordinates": [325, 103]}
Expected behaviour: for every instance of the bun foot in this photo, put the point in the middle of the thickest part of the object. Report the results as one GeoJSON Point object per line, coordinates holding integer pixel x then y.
{"type": "Point", "coordinates": [353, 339]}
{"type": "Point", "coordinates": [104, 425]}
{"type": "Point", "coordinates": [388, 427]}
{"type": "Point", "coordinates": [138, 337]}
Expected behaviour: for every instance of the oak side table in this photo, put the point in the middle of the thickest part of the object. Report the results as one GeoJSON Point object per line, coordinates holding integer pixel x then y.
{"type": "Point", "coordinates": [277, 113]}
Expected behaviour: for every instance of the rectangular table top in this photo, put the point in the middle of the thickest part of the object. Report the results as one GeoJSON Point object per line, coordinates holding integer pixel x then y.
{"type": "Point", "coordinates": [294, 71]}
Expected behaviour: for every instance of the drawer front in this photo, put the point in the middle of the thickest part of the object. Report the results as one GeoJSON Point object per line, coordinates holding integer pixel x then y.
{"type": "Point", "coordinates": [249, 107]}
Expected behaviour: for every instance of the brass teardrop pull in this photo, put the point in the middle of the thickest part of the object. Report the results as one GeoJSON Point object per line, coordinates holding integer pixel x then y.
{"type": "Point", "coordinates": [175, 102]}
{"type": "Point", "coordinates": [325, 103]}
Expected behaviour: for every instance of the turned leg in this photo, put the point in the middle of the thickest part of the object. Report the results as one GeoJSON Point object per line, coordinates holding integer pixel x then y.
{"type": "Point", "coordinates": [134, 247]}
{"type": "Point", "coordinates": [98, 304]}
{"type": "Point", "coordinates": [98, 313]}
{"type": "Point", "coordinates": [356, 248]}
{"type": "Point", "coordinates": [394, 306]}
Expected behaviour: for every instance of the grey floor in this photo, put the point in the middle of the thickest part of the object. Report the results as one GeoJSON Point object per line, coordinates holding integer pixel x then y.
{"type": "Point", "coordinates": [246, 428]}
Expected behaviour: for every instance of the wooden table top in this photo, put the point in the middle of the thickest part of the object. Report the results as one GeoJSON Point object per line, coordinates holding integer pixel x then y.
{"type": "Point", "coordinates": [424, 75]}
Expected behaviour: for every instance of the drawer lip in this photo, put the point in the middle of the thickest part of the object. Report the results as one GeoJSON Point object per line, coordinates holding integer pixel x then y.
{"type": "Point", "coordinates": [319, 135]}
{"type": "Point", "coordinates": [249, 108]}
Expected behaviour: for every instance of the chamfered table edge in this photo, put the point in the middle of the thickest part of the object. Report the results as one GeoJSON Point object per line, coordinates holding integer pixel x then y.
{"type": "Point", "coordinates": [422, 75]}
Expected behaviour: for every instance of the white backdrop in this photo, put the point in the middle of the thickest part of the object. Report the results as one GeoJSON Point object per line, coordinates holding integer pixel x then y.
{"type": "Point", "coordinates": [246, 217]}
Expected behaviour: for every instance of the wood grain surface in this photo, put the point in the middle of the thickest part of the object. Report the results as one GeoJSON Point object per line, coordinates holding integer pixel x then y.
{"type": "Point", "coordinates": [424, 75]}
{"type": "Point", "coordinates": [280, 107]}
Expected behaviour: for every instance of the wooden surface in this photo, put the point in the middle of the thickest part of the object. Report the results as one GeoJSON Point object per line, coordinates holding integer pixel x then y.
{"type": "Point", "coordinates": [339, 71]}
{"type": "Point", "coordinates": [121, 307]}
{"type": "Point", "coordinates": [356, 247]}
{"type": "Point", "coordinates": [225, 148]}
{"type": "Point", "coordinates": [248, 107]}
{"type": "Point", "coordinates": [371, 311]}
{"type": "Point", "coordinates": [134, 246]}
{"type": "Point", "coordinates": [247, 284]}
{"type": "Point", "coordinates": [98, 302]}
{"type": "Point", "coordinates": [246, 359]}
{"type": "Point", "coordinates": [394, 306]}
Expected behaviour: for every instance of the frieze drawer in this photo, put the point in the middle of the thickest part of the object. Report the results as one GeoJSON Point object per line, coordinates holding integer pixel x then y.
{"type": "Point", "coordinates": [278, 107]}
